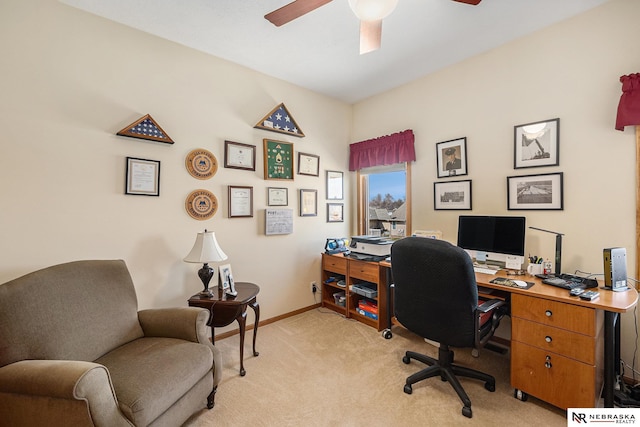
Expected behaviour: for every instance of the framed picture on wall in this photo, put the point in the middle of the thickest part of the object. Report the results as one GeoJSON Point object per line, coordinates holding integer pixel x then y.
{"type": "Point", "coordinates": [240, 201]}
{"type": "Point", "coordinates": [535, 192]}
{"type": "Point", "coordinates": [308, 164]}
{"type": "Point", "coordinates": [308, 202]}
{"type": "Point", "coordinates": [277, 196]}
{"type": "Point", "coordinates": [335, 185]}
{"type": "Point", "coordinates": [143, 177]}
{"type": "Point", "coordinates": [278, 159]}
{"type": "Point", "coordinates": [451, 157]}
{"type": "Point", "coordinates": [452, 195]}
{"type": "Point", "coordinates": [536, 144]}
{"type": "Point", "coordinates": [335, 212]}
{"type": "Point", "coordinates": [239, 156]}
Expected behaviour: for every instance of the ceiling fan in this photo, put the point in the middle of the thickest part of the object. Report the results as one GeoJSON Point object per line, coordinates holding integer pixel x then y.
{"type": "Point", "coordinates": [370, 13]}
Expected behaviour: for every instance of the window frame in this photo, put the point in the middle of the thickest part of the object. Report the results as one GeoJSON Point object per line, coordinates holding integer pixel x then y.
{"type": "Point", "coordinates": [363, 199]}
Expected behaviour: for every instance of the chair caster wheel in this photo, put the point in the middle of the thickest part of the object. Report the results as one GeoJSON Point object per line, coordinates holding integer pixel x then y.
{"type": "Point", "coordinates": [466, 411]}
{"type": "Point", "coordinates": [386, 334]}
{"type": "Point", "coordinates": [490, 386]}
{"type": "Point", "coordinates": [407, 389]}
{"type": "Point", "coordinates": [406, 360]}
{"type": "Point", "coordinates": [520, 395]}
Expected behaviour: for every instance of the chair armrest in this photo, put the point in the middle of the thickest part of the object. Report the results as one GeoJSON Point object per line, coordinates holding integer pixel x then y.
{"type": "Point", "coordinates": [489, 305]}
{"type": "Point", "coordinates": [46, 390]}
{"type": "Point", "coordinates": [187, 323]}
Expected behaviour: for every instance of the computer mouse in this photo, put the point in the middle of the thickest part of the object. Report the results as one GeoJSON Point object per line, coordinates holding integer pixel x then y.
{"type": "Point", "coordinates": [520, 283]}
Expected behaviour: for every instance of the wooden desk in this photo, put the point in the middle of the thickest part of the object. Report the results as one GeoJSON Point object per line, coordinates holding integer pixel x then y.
{"type": "Point", "coordinates": [225, 309]}
{"type": "Point", "coordinates": [564, 350]}
{"type": "Point", "coordinates": [542, 313]}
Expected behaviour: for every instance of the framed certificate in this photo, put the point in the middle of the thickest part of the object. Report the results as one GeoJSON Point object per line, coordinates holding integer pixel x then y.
{"type": "Point", "coordinates": [239, 156]}
{"type": "Point", "coordinates": [308, 202]}
{"type": "Point", "coordinates": [308, 164]}
{"type": "Point", "coordinates": [143, 177]}
{"type": "Point", "coordinates": [240, 201]}
{"type": "Point", "coordinates": [277, 196]}
{"type": "Point", "coordinates": [335, 185]}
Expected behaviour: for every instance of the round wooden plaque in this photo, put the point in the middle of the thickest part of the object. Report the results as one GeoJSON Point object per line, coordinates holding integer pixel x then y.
{"type": "Point", "coordinates": [201, 204]}
{"type": "Point", "coordinates": [201, 163]}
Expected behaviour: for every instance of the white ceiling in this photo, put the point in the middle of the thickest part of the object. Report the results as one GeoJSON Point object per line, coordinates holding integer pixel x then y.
{"type": "Point", "coordinates": [319, 51]}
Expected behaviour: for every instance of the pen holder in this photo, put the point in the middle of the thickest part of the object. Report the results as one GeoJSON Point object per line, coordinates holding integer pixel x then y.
{"type": "Point", "coordinates": [534, 269]}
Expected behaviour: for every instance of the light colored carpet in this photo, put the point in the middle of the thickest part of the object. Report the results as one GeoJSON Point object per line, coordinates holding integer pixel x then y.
{"type": "Point", "coordinates": [320, 369]}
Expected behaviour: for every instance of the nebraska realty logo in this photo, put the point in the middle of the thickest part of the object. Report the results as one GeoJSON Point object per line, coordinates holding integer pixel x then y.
{"type": "Point", "coordinates": [602, 416]}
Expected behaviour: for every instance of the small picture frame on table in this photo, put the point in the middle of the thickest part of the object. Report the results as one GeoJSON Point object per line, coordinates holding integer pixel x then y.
{"type": "Point", "coordinates": [308, 164]}
{"type": "Point", "coordinates": [452, 158]}
{"type": "Point", "coordinates": [142, 177]}
{"type": "Point", "coordinates": [536, 144]}
{"type": "Point", "coordinates": [335, 212]}
{"type": "Point", "coordinates": [452, 195]}
{"type": "Point", "coordinates": [535, 192]}
{"type": "Point", "coordinates": [225, 279]}
{"type": "Point", "coordinates": [239, 156]}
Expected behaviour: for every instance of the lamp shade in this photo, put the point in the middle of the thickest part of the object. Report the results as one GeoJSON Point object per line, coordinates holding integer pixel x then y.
{"type": "Point", "coordinates": [372, 10]}
{"type": "Point", "coordinates": [206, 249]}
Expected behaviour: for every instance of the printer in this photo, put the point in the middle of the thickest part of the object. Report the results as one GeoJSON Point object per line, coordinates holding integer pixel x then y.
{"type": "Point", "coordinates": [370, 248]}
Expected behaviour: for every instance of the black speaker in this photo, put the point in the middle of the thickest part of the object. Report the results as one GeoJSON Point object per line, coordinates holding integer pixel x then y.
{"type": "Point", "coordinates": [615, 269]}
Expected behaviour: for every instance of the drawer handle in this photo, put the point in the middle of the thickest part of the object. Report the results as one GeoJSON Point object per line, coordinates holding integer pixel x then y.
{"type": "Point", "coordinates": [548, 338]}
{"type": "Point", "coordinates": [548, 313]}
{"type": "Point", "coordinates": [547, 363]}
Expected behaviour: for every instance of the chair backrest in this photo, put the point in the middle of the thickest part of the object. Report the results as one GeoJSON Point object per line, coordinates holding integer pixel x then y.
{"type": "Point", "coordinates": [74, 311]}
{"type": "Point", "coordinates": [435, 290]}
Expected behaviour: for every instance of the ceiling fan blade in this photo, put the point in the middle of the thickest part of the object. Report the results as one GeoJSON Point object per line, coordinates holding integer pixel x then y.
{"type": "Point", "coordinates": [293, 10]}
{"type": "Point", "coordinates": [473, 2]}
{"type": "Point", "coordinates": [370, 36]}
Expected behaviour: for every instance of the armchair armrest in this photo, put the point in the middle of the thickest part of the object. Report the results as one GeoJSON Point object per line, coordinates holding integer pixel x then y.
{"type": "Point", "coordinates": [187, 323]}
{"type": "Point", "coordinates": [58, 392]}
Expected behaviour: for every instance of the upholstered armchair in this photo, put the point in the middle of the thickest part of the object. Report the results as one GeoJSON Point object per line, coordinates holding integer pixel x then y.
{"type": "Point", "coordinates": [75, 351]}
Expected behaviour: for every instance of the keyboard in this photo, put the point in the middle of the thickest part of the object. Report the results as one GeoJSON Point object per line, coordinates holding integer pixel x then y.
{"type": "Point", "coordinates": [484, 270]}
{"type": "Point", "coordinates": [569, 281]}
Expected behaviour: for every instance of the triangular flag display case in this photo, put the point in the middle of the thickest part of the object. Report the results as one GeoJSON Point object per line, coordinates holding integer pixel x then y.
{"type": "Point", "coordinates": [146, 128]}
{"type": "Point", "coordinates": [280, 120]}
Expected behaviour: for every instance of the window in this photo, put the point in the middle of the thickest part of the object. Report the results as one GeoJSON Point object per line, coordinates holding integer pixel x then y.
{"type": "Point", "coordinates": [384, 200]}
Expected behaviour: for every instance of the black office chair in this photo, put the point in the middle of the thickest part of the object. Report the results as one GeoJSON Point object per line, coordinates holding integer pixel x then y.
{"type": "Point", "coordinates": [436, 297]}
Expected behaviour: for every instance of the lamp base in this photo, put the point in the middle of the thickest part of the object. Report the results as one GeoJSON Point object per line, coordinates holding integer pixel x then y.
{"type": "Point", "coordinates": [206, 293]}
{"type": "Point", "coordinates": [205, 274]}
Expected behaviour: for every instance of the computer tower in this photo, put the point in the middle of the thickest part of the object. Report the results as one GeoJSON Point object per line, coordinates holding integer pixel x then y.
{"type": "Point", "coordinates": [615, 269]}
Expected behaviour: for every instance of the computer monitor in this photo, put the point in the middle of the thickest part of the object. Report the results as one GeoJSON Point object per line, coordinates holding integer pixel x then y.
{"type": "Point", "coordinates": [493, 239]}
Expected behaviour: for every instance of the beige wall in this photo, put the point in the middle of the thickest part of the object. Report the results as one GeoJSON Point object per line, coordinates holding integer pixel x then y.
{"type": "Point", "coordinates": [570, 71]}
{"type": "Point", "coordinates": [71, 80]}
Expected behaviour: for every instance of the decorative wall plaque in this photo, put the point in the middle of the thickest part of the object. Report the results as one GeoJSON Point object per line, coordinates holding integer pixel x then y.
{"type": "Point", "coordinates": [201, 164]}
{"type": "Point", "coordinates": [201, 204]}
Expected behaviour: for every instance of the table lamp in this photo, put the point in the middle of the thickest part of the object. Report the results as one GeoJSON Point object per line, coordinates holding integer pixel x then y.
{"type": "Point", "coordinates": [206, 250]}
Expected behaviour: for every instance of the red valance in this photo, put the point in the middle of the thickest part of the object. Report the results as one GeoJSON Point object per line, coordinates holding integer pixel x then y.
{"type": "Point", "coordinates": [629, 106]}
{"type": "Point", "coordinates": [384, 150]}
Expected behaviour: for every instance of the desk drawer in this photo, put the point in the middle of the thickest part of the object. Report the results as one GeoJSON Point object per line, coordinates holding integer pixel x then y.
{"type": "Point", "coordinates": [553, 313]}
{"type": "Point", "coordinates": [561, 381]}
{"type": "Point", "coordinates": [560, 341]}
{"type": "Point", "coordinates": [365, 270]}
{"type": "Point", "coordinates": [334, 264]}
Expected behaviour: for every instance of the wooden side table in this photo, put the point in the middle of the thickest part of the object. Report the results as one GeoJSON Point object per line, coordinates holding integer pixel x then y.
{"type": "Point", "coordinates": [225, 309]}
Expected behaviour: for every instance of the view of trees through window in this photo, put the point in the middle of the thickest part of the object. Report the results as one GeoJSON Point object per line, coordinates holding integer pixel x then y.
{"type": "Point", "coordinates": [387, 195]}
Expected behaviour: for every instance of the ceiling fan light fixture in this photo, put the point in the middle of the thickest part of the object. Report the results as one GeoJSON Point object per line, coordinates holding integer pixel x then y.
{"type": "Point", "coordinates": [372, 10]}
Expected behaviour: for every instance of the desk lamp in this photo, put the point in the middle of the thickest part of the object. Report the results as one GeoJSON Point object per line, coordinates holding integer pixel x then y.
{"type": "Point", "coordinates": [206, 250]}
{"type": "Point", "coordinates": [558, 247]}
